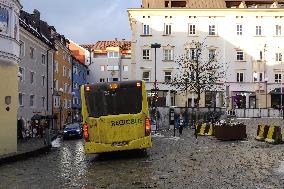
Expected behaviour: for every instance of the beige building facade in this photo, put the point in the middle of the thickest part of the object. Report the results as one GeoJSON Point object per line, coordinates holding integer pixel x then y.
{"type": "Point", "coordinates": [153, 4]}
{"type": "Point", "coordinates": [9, 59]}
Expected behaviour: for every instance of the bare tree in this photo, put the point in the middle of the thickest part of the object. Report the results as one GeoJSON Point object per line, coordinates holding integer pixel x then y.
{"type": "Point", "coordinates": [197, 72]}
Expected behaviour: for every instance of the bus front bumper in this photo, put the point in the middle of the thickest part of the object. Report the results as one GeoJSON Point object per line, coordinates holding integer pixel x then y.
{"type": "Point", "coordinates": [142, 143]}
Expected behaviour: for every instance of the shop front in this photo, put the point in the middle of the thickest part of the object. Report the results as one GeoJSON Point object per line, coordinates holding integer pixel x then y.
{"type": "Point", "coordinates": [241, 100]}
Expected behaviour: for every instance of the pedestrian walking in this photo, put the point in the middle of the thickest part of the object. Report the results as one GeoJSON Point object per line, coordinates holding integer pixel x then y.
{"type": "Point", "coordinates": [180, 123]}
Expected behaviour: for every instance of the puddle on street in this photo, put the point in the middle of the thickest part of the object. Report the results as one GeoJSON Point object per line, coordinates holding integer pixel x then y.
{"type": "Point", "coordinates": [128, 168]}
{"type": "Point", "coordinates": [56, 143]}
{"type": "Point", "coordinates": [280, 169]}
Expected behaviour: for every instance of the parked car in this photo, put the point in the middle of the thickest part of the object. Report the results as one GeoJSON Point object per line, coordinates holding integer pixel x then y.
{"type": "Point", "coordinates": [73, 130]}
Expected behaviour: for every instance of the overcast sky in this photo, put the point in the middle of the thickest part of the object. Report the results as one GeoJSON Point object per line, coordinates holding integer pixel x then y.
{"type": "Point", "coordinates": [86, 21]}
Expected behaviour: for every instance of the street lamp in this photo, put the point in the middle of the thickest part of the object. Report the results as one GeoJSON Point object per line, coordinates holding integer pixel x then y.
{"type": "Point", "coordinates": [155, 46]}
{"type": "Point", "coordinates": [72, 110]}
{"type": "Point", "coordinates": [60, 93]}
{"type": "Point", "coordinates": [266, 80]}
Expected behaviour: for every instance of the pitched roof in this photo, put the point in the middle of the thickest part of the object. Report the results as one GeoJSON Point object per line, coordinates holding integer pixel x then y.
{"type": "Point", "coordinates": [102, 45]}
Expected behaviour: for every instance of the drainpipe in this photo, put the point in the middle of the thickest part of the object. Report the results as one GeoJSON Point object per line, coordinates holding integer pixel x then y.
{"type": "Point", "coordinates": [48, 140]}
{"type": "Point", "coordinates": [72, 80]}
{"type": "Point", "coordinates": [47, 77]}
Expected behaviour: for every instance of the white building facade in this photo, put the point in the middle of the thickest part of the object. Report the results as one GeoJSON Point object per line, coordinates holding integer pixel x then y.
{"type": "Point", "coordinates": [248, 42]}
{"type": "Point", "coordinates": [109, 61]}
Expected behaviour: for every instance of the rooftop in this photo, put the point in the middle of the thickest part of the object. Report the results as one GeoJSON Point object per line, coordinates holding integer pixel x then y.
{"type": "Point", "coordinates": [102, 45]}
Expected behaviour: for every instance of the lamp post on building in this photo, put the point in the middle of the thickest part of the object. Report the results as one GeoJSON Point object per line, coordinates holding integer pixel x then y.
{"type": "Point", "coordinates": [72, 110]}
{"type": "Point", "coordinates": [281, 90]}
{"type": "Point", "coordinates": [60, 93]}
{"type": "Point", "coordinates": [155, 46]}
{"type": "Point", "coordinates": [266, 80]}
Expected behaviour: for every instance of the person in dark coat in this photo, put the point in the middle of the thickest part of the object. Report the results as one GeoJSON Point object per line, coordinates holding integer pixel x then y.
{"type": "Point", "coordinates": [20, 128]}
{"type": "Point", "coordinates": [180, 123]}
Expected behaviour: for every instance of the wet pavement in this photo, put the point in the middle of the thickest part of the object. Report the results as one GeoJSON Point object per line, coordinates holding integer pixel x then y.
{"type": "Point", "coordinates": [173, 162]}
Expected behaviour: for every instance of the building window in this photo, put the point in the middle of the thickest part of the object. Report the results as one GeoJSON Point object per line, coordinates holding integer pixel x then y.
{"type": "Point", "coordinates": [75, 86]}
{"type": "Point", "coordinates": [55, 66]}
{"type": "Point", "coordinates": [115, 79]}
{"type": "Point", "coordinates": [146, 76]}
{"type": "Point", "coordinates": [112, 54]}
{"type": "Point", "coordinates": [75, 100]}
{"type": "Point", "coordinates": [64, 56]}
{"type": "Point", "coordinates": [168, 29]}
{"type": "Point", "coordinates": [69, 104]}
{"type": "Point", "coordinates": [260, 55]}
{"type": "Point", "coordinates": [168, 54]}
{"type": "Point", "coordinates": [69, 88]}
{"type": "Point", "coordinates": [22, 73]}
{"type": "Point", "coordinates": [146, 29]}
{"type": "Point", "coordinates": [212, 29]}
{"type": "Point", "coordinates": [212, 54]}
{"type": "Point", "coordinates": [32, 51]}
{"type": "Point", "coordinates": [43, 80]}
{"type": "Point", "coordinates": [240, 55]}
{"type": "Point", "coordinates": [32, 100]}
{"type": "Point", "coordinates": [56, 101]}
{"type": "Point", "coordinates": [168, 76]}
{"type": "Point", "coordinates": [21, 99]}
{"type": "Point", "coordinates": [240, 77]}
{"type": "Point", "coordinates": [4, 16]}
{"type": "Point", "coordinates": [257, 77]}
{"type": "Point", "coordinates": [278, 77]}
{"type": "Point", "coordinates": [43, 102]}
{"type": "Point", "coordinates": [102, 80]}
{"type": "Point", "coordinates": [32, 77]}
{"type": "Point", "coordinates": [69, 73]}
{"type": "Point", "coordinates": [65, 87]}
{"type": "Point", "coordinates": [191, 54]}
{"type": "Point", "coordinates": [125, 68]}
{"type": "Point", "coordinates": [22, 48]}
{"type": "Point", "coordinates": [115, 68]}
{"type": "Point", "coordinates": [146, 54]}
{"type": "Point", "coordinates": [65, 103]}
{"type": "Point", "coordinates": [109, 68]}
{"type": "Point", "coordinates": [102, 68]}
{"type": "Point", "coordinates": [239, 29]}
{"type": "Point", "coordinates": [75, 70]}
{"type": "Point", "coordinates": [43, 59]}
{"type": "Point", "coordinates": [191, 29]}
{"type": "Point", "coordinates": [278, 30]}
{"type": "Point", "coordinates": [278, 57]}
{"type": "Point", "coordinates": [55, 85]}
{"type": "Point", "coordinates": [258, 30]}
{"type": "Point", "coordinates": [64, 71]}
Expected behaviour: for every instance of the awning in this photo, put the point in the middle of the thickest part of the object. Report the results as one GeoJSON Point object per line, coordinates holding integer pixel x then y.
{"type": "Point", "coordinates": [277, 91]}
{"type": "Point", "coordinates": [36, 117]}
{"type": "Point", "coordinates": [49, 117]}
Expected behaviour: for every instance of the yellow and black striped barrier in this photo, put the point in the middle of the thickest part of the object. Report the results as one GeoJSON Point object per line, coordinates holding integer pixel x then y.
{"type": "Point", "coordinates": [274, 135]}
{"type": "Point", "coordinates": [262, 132]}
{"type": "Point", "coordinates": [270, 134]}
{"type": "Point", "coordinates": [204, 129]}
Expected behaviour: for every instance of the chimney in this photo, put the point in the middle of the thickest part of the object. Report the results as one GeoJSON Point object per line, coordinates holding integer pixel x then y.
{"type": "Point", "coordinates": [115, 39]}
{"type": "Point", "coordinates": [36, 14]}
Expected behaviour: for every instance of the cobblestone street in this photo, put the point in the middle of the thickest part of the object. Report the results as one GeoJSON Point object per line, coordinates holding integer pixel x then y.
{"type": "Point", "coordinates": [172, 163]}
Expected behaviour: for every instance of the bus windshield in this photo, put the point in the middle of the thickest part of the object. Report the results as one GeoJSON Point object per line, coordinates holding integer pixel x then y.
{"type": "Point", "coordinates": [122, 100]}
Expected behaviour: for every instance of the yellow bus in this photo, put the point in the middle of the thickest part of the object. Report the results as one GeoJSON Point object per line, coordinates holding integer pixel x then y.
{"type": "Point", "coordinates": [115, 116]}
